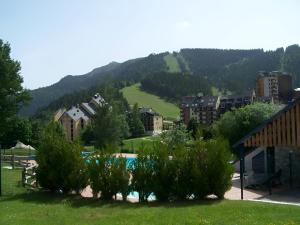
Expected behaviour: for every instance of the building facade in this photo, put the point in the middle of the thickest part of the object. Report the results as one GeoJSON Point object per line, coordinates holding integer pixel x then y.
{"type": "Point", "coordinates": [204, 109]}
{"type": "Point", "coordinates": [78, 117]}
{"type": "Point", "coordinates": [275, 84]}
{"type": "Point", "coordinates": [152, 121]}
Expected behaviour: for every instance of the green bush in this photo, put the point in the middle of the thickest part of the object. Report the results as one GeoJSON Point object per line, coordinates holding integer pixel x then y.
{"type": "Point", "coordinates": [61, 167]}
{"type": "Point", "coordinates": [219, 171]}
{"type": "Point", "coordinates": [164, 173]}
{"type": "Point", "coordinates": [108, 175]}
{"type": "Point", "coordinates": [182, 188]}
{"type": "Point", "coordinates": [142, 170]}
{"type": "Point", "coordinates": [198, 160]}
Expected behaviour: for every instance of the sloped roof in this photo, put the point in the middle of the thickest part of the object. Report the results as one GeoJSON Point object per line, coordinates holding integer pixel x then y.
{"type": "Point", "coordinates": [76, 113]}
{"type": "Point", "coordinates": [88, 108]}
{"type": "Point", "coordinates": [266, 122]}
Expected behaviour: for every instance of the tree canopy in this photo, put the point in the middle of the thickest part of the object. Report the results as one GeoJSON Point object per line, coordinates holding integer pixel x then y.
{"type": "Point", "coordinates": [235, 124]}
{"type": "Point", "coordinates": [12, 94]}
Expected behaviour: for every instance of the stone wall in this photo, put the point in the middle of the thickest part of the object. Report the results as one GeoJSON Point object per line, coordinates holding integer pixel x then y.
{"type": "Point", "coordinates": [282, 162]}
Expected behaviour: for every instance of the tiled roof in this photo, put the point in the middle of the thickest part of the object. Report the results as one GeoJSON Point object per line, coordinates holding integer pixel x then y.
{"type": "Point", "coordinates": [76, 113]}
{"type": "Point", "coordinates": [88, 108]}
{"type": "Point", "coordinates": [195, 101]}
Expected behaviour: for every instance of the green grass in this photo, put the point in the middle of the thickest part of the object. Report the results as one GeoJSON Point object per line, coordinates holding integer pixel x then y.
{"type": "Point", "coordinates": [133, 144]}
{"type": "Point", "coordinates": [136, 143]}
{"type": "Point", "coordinates": [11, 180]}
{"type": "Point", "coordinates": [133, 94]}
{"type": "Point", "coordinates": [172, 63]}
{"type": "Point", "coordinates": [19, 152]}
{"type": "Point", "coordinates": [42, 208]}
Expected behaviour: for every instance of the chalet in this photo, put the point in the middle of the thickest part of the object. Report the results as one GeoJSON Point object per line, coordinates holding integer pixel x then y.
{"type": "Point", "coordinates": [272, 150]}
{"type": "Point", "coordinates": [78, 117]}
{"type": "Point", "coordinates": [152, 121]}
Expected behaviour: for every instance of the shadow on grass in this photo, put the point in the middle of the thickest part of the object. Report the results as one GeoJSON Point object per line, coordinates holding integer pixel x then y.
{"type": "Point", "coordinates": [78, 201]}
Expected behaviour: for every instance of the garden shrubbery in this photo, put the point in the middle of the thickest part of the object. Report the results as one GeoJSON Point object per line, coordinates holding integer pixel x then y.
{"type": "Point", "coordinates": [169, 172]}
{"type": "Point", "coordinates": [61, 166]}
{"type": "Point", "coordinates": [108, 175]}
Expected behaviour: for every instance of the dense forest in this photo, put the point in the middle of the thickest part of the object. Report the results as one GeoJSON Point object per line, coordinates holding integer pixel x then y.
{"type": "Point", "coordinates": [173, 86]}
{"type": "Point", "coordinates": [228, 70]}
{"type": "Point", "coordinates": [108, 90]}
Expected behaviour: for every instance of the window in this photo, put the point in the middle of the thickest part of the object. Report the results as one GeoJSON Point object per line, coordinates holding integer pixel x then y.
{"type": "Point", "coordinates": [82, 123]}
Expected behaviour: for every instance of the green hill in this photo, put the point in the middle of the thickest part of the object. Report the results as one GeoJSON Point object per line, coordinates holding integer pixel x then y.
{"type": "Point", "coordinates": [172, 63]}
{"type": "Point", "coordinates": [226, 69]}
{"type": "Point", "coordinates": [134, 94]}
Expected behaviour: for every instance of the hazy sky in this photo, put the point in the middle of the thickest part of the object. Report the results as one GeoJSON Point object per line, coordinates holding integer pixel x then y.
{"type": "Point", "coordinates": [55, 38]}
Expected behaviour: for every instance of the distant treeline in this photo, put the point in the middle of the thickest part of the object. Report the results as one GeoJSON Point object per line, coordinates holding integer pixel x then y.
{"type": "Point", "coordinates": [232, 70]}
{"type": "Point", "coordinates": [175, 85]}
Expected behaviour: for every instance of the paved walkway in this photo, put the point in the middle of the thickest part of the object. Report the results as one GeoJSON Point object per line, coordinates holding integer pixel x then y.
{"type": "Point", "coordinates": [280, 195]}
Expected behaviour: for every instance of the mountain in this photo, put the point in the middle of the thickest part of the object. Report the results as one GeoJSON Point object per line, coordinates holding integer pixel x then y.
{"type": "Point", "coordinates": [227, 70]}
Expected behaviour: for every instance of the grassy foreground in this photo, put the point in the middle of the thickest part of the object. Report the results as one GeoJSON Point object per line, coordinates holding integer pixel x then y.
{"type": "Point", "coordinates": [41, 208]}
{"type": "Point", "coordinates": [133, 94]}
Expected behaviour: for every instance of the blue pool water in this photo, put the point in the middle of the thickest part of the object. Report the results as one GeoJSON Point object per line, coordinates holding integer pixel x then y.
{"type": "Point", "coordinates": [135, 194]}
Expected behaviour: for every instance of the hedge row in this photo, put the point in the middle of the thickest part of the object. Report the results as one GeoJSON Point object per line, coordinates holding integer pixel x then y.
{"type": "Point", "coordinates": [170, 174]}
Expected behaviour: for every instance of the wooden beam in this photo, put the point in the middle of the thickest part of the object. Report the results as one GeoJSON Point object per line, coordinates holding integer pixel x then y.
{"type": "Point", "coordinates": [293, 125]}
{"type": "Point", "coordinates": [261, 137]}
{"type": "Point", "coordinates": [288, 128]}
{"type": "Point", "coordinates": [270, 136]}
{"type": "Point", "coordinates": [265, 136]}
{"type": "Point", "coordinates": [298, 124]}
{"type": "Point", "coordinates": [274, 133]}
{"type": "Point", "coordinates": [279, 131]}
{"type": "Point", "coordinates": [253, 141]}
{"type": "Point", "coordinates": [283, 129]}
{"type": "Point", "coordinates": [257, 139]}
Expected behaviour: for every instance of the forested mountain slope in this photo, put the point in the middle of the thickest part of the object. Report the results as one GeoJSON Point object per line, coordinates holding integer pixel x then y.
{"type": "Point", "coordinates": [233, 70]}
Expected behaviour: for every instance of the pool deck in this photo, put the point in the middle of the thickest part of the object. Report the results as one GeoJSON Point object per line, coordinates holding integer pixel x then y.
{"type": "Point", "coordinates": [281, 195]}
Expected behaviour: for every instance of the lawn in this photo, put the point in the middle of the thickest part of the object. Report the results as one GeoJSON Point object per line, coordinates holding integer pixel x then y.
{"type": "Point", "coordinates": [133, 144]}
{"type": "Point", "coordinates": [133, 94]}
{"type": "Point", "coordinates": [136, 143]}
{"type": "Point", "coordinates": [42, 208]}
{"type": "Point", "coordinates": [172, 63]}
{"type": "Point", "coordinates": [19, 152]}
{"type": "Point", "coordinates": [11, 180]}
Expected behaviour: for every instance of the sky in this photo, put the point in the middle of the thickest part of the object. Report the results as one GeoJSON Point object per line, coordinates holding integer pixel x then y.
{"type": "Point", "coordinates": [56, 38]}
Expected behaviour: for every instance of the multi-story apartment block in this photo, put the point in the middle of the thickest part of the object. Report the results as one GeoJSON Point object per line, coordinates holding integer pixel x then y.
{"type": "Point", "coordinates": [207, 109]}
{"type": "Point", "coordinates": [229, 102]}
{"type": "Point", "coordinates": [204, 109]}
{"type": "Point", "coordinates": [78, 117]}
{"type": "Point", "coordinates": [276, 85]}
{"type": "Point", "coordinates": [152, 121]}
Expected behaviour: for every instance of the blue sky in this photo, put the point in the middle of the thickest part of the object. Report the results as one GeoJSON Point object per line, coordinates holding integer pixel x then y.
{"type": "Point", "coordinates": [55, 38]}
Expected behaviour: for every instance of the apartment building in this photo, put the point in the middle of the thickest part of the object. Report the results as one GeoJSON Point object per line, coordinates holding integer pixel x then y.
{"type": "Point", "coordinates": [78, 117]}
{"type": "Point", "coordinates": [277, 85]}
{"type": "Point", "coordinates": [204, 109]}
{"type": "Point", "coordinates": [152, 121]}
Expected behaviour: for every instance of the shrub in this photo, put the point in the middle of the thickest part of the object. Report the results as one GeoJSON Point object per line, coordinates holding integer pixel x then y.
{"type": "Point", "coordinates": [61, 166]}
{"type": "Point", "coordinates": [142, 170]}
{"type": "Point", "coordinates": [164, 174]}
{"type": "Point", "coordinates": [182, 188]}
{"type": "Point", "coordinates": [219, 169]}
{"type": "Point", "coordinates": [108, 175]}
{"type": "Point", "coordinates": [198, 160]}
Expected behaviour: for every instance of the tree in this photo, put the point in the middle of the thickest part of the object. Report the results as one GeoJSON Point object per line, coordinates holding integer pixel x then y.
{"type": "Point", "coordinates": [17, 129]}
{"type": "Point", "coordinates": [176, 137]}
{"type": "Point", "coordinates": [107, 127]}
{"type": "Point", "coordinates": [137, 128]}
{"type": "Point", "coordinates": [61, 166]}
{"type": "Point", "coordinates": [235, 124]}
{"type": "Point", "coordinates": [12, 94]}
